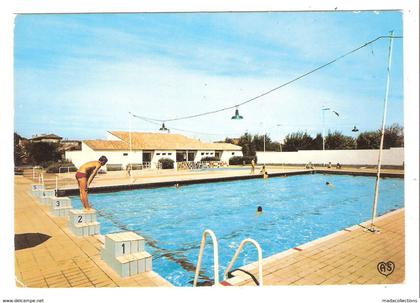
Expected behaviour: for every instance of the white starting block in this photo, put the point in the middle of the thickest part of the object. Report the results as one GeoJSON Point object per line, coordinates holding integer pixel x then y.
{"type": "Point", "coordinates": [59, 206]}
{"type": "Point", "coordinates": [44, 197]}
{"type": "Point", "coordinates": [37, 189]}
{"type": "Point", "coordinates": [83, 222]}
{"type": "Point", "coordinates": [124, 253]}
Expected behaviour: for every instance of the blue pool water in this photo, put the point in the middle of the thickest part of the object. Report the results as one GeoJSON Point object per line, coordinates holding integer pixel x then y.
{"type": "Point", "coordinates": [296, 210]}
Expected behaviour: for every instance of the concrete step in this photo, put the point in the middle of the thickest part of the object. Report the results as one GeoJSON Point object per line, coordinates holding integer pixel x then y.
{"type": "Point", "coordinates": [59, 202]}
{"type": "Point", "coordinates": [84, 229]}
{"type": "Point", "coordinates": [44, 196]}
{"type": "Point", "coordinates": [125, 243]}
{"type": "Point", "coordinates": [78, 216]}
{"type": "Point", "coordinates": [61, 212]}
{"type": "Point", "coordinates": [129, 265]}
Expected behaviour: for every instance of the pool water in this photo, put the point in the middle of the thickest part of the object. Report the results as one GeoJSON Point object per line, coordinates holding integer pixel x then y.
{"type": "Point", "coordinates": [296, 209]}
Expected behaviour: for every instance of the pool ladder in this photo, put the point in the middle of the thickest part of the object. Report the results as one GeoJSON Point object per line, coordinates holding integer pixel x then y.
{"type": "Point", "coordinates": [216, 258]}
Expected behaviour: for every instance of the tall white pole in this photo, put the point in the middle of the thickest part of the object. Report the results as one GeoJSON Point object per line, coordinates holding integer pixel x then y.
{"type": "Point", "coordinates": [375, 199]}
{"type": "Point", "coordinates": [129, 130]}
{"type": "Point", "coordinates": [130, 144]}
{"type": "Point", "coordinates": [323, 127]}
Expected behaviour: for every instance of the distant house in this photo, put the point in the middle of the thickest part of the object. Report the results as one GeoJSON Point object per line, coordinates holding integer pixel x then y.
{"type": "Point", "coordinates": [68, 145]}
{"type": "Point", "coordinates": [48, 138]}
{"type": "Point", "coordinates": [122, 148]}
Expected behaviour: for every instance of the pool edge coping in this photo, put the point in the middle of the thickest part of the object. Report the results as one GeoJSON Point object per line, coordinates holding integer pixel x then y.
{"type": "Point", "coordinates": [159, 184]}
{"type": "Point", "coordinates": [241, 277]}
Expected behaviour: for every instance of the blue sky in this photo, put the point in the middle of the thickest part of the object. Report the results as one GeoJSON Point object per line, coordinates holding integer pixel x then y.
{"type": "Point", "coordinates": [79, 75]}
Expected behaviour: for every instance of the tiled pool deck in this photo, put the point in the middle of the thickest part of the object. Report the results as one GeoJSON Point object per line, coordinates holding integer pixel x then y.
{"type": "Point", "coordinates": [350, 256]}
{"type": "Point", "coordinates": [63, 260]}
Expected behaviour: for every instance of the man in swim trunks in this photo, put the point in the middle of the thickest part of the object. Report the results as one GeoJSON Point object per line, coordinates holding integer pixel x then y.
{"type": "Point", "coordinates": [85, 175]}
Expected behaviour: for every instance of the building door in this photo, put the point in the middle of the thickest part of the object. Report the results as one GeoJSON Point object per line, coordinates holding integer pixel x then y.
{"type": "Point", "coordinates": [218, 154]}
{"type": "Point", "coordinates": [147, 157]}
{"type": "Point", "coordinates": [181, 156]}
{"type": "Point", "coordinates": [191, 156]}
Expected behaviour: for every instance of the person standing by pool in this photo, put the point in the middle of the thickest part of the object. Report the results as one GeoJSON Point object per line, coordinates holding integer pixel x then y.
{"type": "Point", "coordinates": [85, 175]}
{"type": "Point", "coordinates": [252, 166]}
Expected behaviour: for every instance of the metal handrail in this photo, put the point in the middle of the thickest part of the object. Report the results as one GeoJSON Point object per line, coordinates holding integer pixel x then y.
{"type": "Point", "coordinates": [215, 257]}
{"type": "Point", "coordinates": [235, 256]}
{"type": "Point", "coordinates": [64, 167]}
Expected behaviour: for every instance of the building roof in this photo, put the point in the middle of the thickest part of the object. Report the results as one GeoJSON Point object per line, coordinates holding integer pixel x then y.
{"type": "Point", "coordinates": [156, 141]}
{"type": "Point", "coordinates": [46, 136]}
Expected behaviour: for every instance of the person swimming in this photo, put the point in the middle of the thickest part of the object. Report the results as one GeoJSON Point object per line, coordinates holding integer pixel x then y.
{"type": "Point", "coordinates": [329, 184]}
{"type": "Point", "coordinates": [259, 210]}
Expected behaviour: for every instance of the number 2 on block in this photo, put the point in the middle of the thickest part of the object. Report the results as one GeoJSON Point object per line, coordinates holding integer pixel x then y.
{"type": "Point", "coordinates": [79, 220]}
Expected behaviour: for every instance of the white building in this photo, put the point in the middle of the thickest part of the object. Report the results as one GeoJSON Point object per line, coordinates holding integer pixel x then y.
{"type": "Point", "coordinates": [122, 148]}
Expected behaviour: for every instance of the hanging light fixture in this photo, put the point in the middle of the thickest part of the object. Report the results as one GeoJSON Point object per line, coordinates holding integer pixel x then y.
{"type": "Point", "coordinates": [237, 116]}
{"type": "Point", "coordinates": [355, 129]}
{"type": "Point", "coordinates": [163, 128]}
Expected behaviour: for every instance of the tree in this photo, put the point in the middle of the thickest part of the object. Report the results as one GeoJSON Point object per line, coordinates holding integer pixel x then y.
{"type": "Point", "coordinates": [337, 140]}
{"type": "Point", "coordinates": [317, 142]}
{"type": "Point", "coordinates": [297, 141]}
{"type": "Point", "coordinates": [248, 149]}
{"type": "Point", "coordinates": [368, 140]}
{"type": "Point", "coordinates": [253, 143]}
{"type": "Point", "coordinates": [42, 152]}
{"type": "Point", "coordinates": [19, 151]}
{"type": "Point", "coordinates": [394, 136]}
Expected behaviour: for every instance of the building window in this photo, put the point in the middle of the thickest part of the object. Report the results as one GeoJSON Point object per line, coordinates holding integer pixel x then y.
{"type": "Point", "coordinates": [207, 153]}
{"type": "Point", "coordinates": [163, 154]}
{"type": "Point", "coordinates": [169, 154]}
{"type": "Point", "coordinates": [233, 154]}
{"type": "Point", "coordinates": [158, 154]}
{"type": "Point", "coordinates": [202, 154]}
{"type": "Point", "coordinates": [125, 154]}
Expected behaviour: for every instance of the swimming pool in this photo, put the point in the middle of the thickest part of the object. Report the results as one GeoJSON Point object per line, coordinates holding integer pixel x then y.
{"type": "Point", "coordinates": [296, 210]}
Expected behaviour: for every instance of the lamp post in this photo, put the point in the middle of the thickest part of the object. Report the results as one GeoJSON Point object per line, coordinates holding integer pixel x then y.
{"type": "Point", "coordinates": [323, 126]}
{"type": "Point", "coordinates": [324, 109]}
{"type": "Point", "coordinates": [281, 150]}
{"type": "Point", "coordinates": [130, 144]}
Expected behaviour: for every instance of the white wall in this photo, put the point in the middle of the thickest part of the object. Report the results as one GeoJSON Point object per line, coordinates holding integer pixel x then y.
{"type": "Point", "coordinates": [227, 154]}
{"type": "Point", "coordinates": [114, 157]}
{"type": "Point", "coordinates": [393, 156]}
{"type": "Point", "coordinates": [117, 157]}
{"type": "Point", "coordinates": [207, 153]}
{"type": "Point", "coordinates": [159, 154]}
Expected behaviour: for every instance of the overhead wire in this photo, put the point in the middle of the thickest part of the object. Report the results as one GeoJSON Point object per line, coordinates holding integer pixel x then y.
{"type": "Point", "coordinates": [182, 130]}
{"type": "Point", "coordinates": [273, 89]}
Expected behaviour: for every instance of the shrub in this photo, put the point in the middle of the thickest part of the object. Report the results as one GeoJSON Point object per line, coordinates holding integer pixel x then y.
{"type": "Point", "coordinates": [114, 167]}
{"type": "Point", "coordinates": [54, 167]}
{"type": "Point", "coordinates": [237, 160]}
{"type": "Point", "coordinates": [166, 163]}
{"type": "Point", "coordinates": [134, 166]}
{"type": "Point", "coordinates": [208, 159]}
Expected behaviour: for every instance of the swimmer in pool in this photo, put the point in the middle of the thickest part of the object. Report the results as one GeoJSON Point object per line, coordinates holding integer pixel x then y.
{"type": "Point", "coordinates": [329, 184]}
{"type": "Point", "coordinates": [84, 177]}
{"type": "Point", "coordinates": [263, 172]}
{"type": "Point", "coordinates": [259, 210]}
